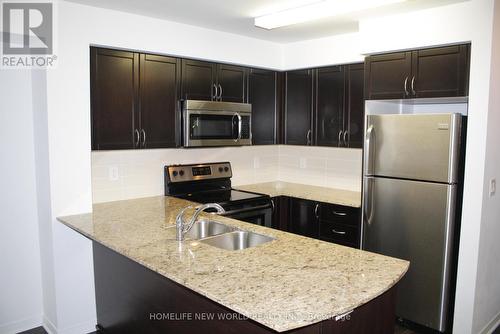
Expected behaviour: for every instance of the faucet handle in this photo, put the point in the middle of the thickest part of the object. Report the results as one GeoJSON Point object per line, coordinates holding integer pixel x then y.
{"type": "Point", "coordinates": [180, 215]}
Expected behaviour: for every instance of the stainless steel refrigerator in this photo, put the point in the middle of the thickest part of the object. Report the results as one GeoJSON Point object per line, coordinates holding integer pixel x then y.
{"type": "Point", "coordinates": [410, 185]}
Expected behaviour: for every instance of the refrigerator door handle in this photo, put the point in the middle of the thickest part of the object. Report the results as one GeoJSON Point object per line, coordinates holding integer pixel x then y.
{"type": "Point", "coordinates": [367, 200]}
{"type": "Point", "coordinates": [368, 154]}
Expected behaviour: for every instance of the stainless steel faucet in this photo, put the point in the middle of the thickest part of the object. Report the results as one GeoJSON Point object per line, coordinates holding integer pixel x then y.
{"type": "Point", "coordinates": [183, 228]}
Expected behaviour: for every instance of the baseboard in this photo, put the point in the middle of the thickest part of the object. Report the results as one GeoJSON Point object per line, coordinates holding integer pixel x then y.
{"type": "Point", "coordinates": [21, 325]}
{"type": "Point", "coordinates": [49, 326]}
{"type": "Point", "coordinates": [492, 325]}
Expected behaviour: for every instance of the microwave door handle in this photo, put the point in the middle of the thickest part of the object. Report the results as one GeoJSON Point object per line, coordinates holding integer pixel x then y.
{"type": "Point", "coordinates": [239, 126]}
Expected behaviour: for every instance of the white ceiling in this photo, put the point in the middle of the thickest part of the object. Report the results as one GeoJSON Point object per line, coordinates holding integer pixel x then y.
{"type": "Point", "coordinates": [236, 16]}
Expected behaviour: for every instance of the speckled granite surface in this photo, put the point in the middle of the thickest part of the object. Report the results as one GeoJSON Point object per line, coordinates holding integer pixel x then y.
{"type": "Point", "coordinates": [290, 282]}
{"type": "Point", "coordinates": [313, 193]}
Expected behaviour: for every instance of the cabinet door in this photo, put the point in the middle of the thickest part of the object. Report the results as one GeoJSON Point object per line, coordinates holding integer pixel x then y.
{"type": "Point", "coordinates": [303, 218]}
{"type": "Point", "coordinates": [281, 208]}
{"type": "Point", "coordinates": [232, 83]}
{"type": "Point", "coordinates": [355, 111]}
{"type": "Point", "coordinates": [262, 96]}
{"type": "Point", "coordinates": [440, 72]}
{"type": "Point", "coordinates": [298, 107]}
{"type": "Point", "coordinates": [329, 125]}
{"type": "Point", "coordinates": [114, 95]}
{"type": "Point", "coordinates": [159, 95]}
{"type": "Point", "coordinates": [198, 80]}
{"type": "Point", "coordinates": [387, 76]}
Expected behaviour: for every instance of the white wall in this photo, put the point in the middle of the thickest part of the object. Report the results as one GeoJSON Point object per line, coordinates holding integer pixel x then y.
{"type": "Point", "coordinates": [140, 172]}
{"type": "Point", "coordinates": [69, 121]}
{"type": "Point", "coordinates": [20, 278]}
{"type": "Point", "coordinates": [487, 299]}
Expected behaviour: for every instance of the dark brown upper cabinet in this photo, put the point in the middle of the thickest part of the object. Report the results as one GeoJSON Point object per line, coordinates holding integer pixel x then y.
{"type": "Point", "coordinates": [440, 72]}
{"type": "Point", "coordinates": [339, 107]}
{"type": "Point", "coordinates": [134, 100]}
{"type": "Point", "coordinates": [329, 120]}
{"type": "Point", "coordinates": [298, 107]}
{"type": "Point", "coordinates": [262, 89]}
{"type": "Point", "coordinates": [231, 83]}
{"type": "Point", "coordinates": [355, 109]}
{"type": "Point", "coordinates": [114, 99]}
{"type": "Point", "coordinates": [387, 76]}
{"type": "Point", "coordinates": [159, 95]}
{"type": "Point", "coordinates": [213, 82]}
{"type": "Point", "coordinates": [198, 80]}
{"type": "Point", "coordinates": [434, 72]}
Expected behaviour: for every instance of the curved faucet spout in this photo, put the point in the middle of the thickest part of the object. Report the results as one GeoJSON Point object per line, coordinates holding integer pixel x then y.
{"type": "Point", "coordinates": [183, 228]}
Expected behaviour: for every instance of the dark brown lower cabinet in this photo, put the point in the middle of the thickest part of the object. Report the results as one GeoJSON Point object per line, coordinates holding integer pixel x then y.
{"type": "Point", "coordinates": [131, 298]}
{"type": "Point", "coordinates": [303, 218]}
{"type": "Point", "coordinates": [280, 212]}
{"type": "Point", "coordinates": [328, 222]}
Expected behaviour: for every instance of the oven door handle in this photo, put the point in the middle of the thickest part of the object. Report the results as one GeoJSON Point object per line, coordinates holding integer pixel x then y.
{"type": "Point", "coordinates": [253, 208]}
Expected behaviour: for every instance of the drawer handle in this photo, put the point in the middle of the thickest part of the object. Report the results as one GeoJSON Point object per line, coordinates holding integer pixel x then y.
{"type": "Point", "coordinates": [339, 213]}
{"type": "Point", "coordinates": [338, 232]}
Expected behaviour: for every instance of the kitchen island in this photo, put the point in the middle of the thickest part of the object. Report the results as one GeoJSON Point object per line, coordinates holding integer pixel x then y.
{"type": "Point", "coordinates": [147, 282]}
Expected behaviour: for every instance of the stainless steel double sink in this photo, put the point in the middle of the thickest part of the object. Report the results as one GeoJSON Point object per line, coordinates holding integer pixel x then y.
{"type": "Point", "coordinates": [226, 237]}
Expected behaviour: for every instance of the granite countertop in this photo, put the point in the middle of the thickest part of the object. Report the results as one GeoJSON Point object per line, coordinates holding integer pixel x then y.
{"type": "Point", "coordinates": [313, 193]}
{"type": "Point", "coordinates": [288, 283]}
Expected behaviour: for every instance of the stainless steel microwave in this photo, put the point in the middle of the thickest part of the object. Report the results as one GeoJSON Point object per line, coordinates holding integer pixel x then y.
{"type": "Point", "coordinates": [211, 123]}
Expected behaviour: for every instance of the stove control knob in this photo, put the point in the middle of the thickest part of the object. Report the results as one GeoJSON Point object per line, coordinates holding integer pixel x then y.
{"type": "Point", "coordinates": [226, 169]}
{"type": "Point", "coordinates": [221, 169]}
{"type": "Point", "coordinates": [174, 173]}
{"type": "Point", "coordinates": [181, 172]}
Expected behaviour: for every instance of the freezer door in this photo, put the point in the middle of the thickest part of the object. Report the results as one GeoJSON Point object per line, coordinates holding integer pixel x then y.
{"type": "Point", "coordinates": [413, 220]}
{"type": "Point", "coordinates": [418, 147]}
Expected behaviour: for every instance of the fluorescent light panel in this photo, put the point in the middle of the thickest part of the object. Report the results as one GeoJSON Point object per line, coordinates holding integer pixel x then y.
{"type": "Point", "coordinates": [323, 9]}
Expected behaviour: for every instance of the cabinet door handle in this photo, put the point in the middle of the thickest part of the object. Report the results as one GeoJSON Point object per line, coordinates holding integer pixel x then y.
{"type": "Point", "coordinates": [316, 210]}
{"type": "Point", "coordinates": [214, 96]}
{"type": "Point", "coordinates": [345, 142]}
{"type": "Point", "coordinates": [220, 92]}
{"type": "Point", "coordinates": [338, 232]}
{"type": "Point", "coordinates": [413, 86]}
{"type": "Point", "coordinates": [143, 137]}
{"type": "Point", "coordinates": [340, 135]}
{"type": "Point", "coordinates": [272, 204]}
{"type": "Point", "coordinates": [336, 213]}
{"type": "Point", "coordinates": [138, 138]}
{"type": "Point", "coordinates": [406, 87]}
{"type": "Point", "coordinates": [308, 137]}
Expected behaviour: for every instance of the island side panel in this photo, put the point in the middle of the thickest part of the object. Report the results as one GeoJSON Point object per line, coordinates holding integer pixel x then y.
{"type": "Point", "coordinates": [131, 298]}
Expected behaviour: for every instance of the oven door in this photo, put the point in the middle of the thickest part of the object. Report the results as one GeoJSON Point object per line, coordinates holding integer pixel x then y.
{"type": "Point", "coordinates": [216, 128]}
{"type": "Point", "coordinates": [259, 215]}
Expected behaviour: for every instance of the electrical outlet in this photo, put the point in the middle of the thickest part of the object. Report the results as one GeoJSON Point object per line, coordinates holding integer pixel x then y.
{"type": "Point", "coordinates": [113, 174]}
{"type": "Point", "coordinates": [303, 163]}
{"type": "Point", "coordinates": [493, 187]}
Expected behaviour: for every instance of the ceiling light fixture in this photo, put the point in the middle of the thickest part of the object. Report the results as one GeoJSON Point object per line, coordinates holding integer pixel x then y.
{"type": "Point", "coordinates": [323, 9]}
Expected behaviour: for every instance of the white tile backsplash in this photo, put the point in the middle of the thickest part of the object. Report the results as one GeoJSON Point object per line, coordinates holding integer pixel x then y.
{"type": "Point", "coordinates": [140, 172]}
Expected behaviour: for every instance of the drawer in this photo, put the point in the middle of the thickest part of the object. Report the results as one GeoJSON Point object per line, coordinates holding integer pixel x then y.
{"type": "Point", "coordinates": [339, 233]}
{"type": "Point", "coordinates": [340, 214]}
